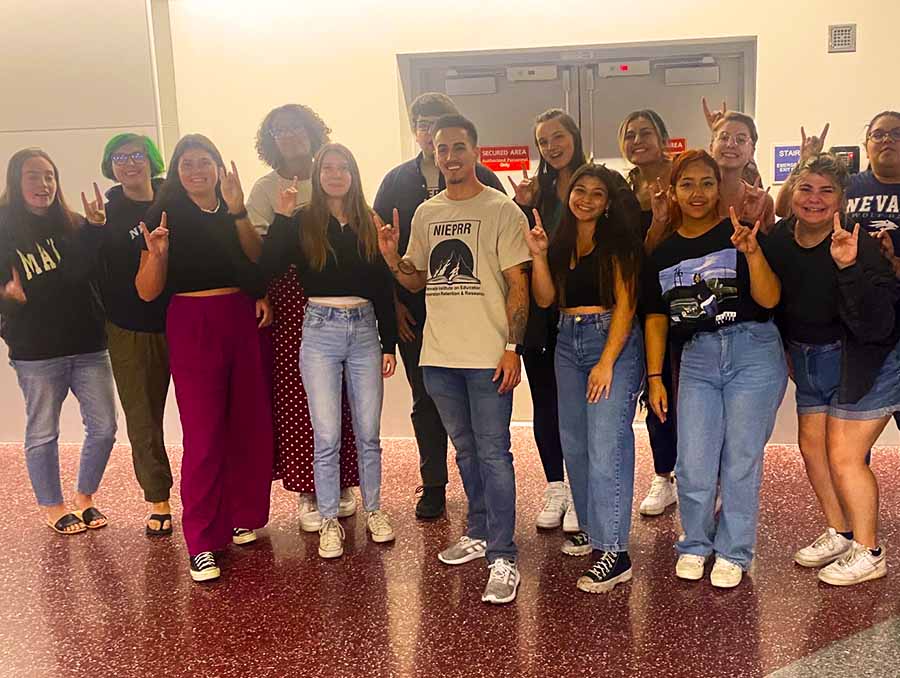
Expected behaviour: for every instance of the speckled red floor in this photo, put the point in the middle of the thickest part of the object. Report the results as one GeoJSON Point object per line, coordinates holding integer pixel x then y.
{"type": "Point", "coordinates": [114, 603]}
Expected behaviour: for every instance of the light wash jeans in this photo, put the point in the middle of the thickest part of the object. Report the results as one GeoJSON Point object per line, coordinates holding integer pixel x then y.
{"type": "Point", "coordinates": [730, 385]}
{"type": "Point", "coordinates": [343, 344]}
{"type": "Point", "coordinates": [597, 438]}
{"type": "Point", "coordinates": [477, 419]}
{"type": "Point", "coordinates": [45, 385]}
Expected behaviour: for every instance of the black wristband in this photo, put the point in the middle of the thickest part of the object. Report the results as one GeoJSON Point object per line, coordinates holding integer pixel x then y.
{"type": "Point", "coordinates": [655, 374]}
{"type": "Point", "coordinates": [240, 215]}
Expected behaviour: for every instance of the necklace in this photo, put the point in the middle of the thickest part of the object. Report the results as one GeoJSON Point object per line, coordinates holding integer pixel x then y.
{"type": "Point", "coordinates": [214, 209]}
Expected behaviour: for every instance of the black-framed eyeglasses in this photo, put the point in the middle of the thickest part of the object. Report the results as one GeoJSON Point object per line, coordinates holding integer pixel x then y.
{"type": "Point", "coordinates": [880, 135]}
{"type": "Point", "coordinates": [425, 124]}
{"type": "Point", "coordinates": [122, 158]}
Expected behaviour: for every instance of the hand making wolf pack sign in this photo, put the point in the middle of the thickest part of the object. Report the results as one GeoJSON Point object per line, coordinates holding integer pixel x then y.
{"type": "Point", "coordinates": [505, 158]}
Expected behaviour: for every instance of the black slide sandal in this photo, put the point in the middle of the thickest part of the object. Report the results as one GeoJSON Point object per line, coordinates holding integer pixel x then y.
{"type": "Point", "coordinates": [161, 518]}
{"type": "Point", "coordinates": [89, 515]}
{"type": "Point", "coordinates": [65, 521]}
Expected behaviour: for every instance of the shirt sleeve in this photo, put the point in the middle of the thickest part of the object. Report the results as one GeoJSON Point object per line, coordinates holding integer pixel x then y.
{"type": "Point", "coordinates": [651, 291]}
{"type": "Point", "coordinates": [281, 246]}
{"type": "Point", "coordinates": [512, 249]}
{"type": "Point", "coordinates": [385, 311]}
{"type": "Point", "coordinates": [259, 208]}
{"type": "Point", "coordinates": [417, 251]}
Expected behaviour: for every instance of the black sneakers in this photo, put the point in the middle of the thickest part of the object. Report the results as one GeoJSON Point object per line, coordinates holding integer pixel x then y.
{"type": "Point", "coordinates": [203, 567]}
{"type": "Point", "coordinates": [431, 504]}
{"type": "Point", "coordinates": [608, 570]}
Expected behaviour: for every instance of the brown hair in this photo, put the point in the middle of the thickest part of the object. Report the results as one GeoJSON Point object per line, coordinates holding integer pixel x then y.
{"type": "Point", "coordinates": [546, 175]}
{"type": "Point", "coordinates": [737, 116]}
{"type": "Point", "coordinates": [431, 104]}
{"type": "Point", "coordinates": [679, 166]}
{"type": "Point", "coordinates": [658, 125]}
{"type": "Point", "coordinates": [314, 217]}
{"type": "Point", "coordinates": [826, 165]}
{"type": "Point", "coordinates": [13, 201]}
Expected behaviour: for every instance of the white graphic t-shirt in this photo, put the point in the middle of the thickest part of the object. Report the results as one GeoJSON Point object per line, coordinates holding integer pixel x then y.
{"type": "Point", "coordinates": [264, 197]}
{"type": "Point", "coordinates": [464, 246]}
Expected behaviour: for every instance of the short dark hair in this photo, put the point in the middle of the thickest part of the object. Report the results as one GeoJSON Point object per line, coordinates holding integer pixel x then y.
{"type": "Point", "coordinates": [456, 120]}
{"type": "Point", "coordinates": [429, 104]}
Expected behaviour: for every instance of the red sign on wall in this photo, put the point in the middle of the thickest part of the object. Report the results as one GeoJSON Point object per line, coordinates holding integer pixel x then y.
{"type": "Point", "coordinates": [505, 158]}
{"type": "Point", "coordinates": [676, 146]}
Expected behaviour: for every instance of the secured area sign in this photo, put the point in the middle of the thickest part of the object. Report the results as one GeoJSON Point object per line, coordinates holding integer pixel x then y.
{"type": "Point", "coordinates": [505, 158]}
{"type": "Point", "coordinates": [786, 158]}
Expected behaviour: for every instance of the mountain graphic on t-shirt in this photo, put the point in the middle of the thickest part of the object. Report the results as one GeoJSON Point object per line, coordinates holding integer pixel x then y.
{"type": "Point", "coordinates": [451, 263]}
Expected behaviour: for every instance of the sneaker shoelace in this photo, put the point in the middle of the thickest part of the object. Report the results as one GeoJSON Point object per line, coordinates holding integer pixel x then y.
{"type": "Point", "coordinates": [658, 486]}
{"type": "Point", "coordinates": [204, 560]}
{"type": "Point", "coordinates": [332, 531]}
{"type": "Point", "coordinates": [553, 500]}
{"type": "Point", "coordinates": [501, 570]}
{"type": "Point", "coordinates": [825, 540]}
{"type": "Point", "coordinates": [579, 539]}
{"type": "Point", "coordinates": [604, 565]}
{"type": "Point", "coordinates": [378, 522]}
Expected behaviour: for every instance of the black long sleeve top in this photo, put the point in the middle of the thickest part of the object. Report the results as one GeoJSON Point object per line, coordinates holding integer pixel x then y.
{"type": "Point", "coordinates": [346, 273]}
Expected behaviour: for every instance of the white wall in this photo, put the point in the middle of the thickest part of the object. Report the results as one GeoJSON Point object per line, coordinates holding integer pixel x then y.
{"type": "Point", "coordinates": [236, 60]}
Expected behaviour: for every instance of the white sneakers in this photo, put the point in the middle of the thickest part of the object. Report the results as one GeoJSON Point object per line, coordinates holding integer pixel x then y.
{"type": "Point", "coordinates": [725, 574]}
{"type": "Point", "coordinates": [331, 539]}
{"type": "Point", "coordinates": [690, 567]}
{"type": "Point", "coordinates": [828, 547]}
{"type": "Point", "coordinates": [663, 493]}
{"type": "Point", "coordinates": [854, 567]}
{"type": "Point", "coordinates": [379, 527]}
{"type": "Point", "coordinates": [311, 519]}
{"type": "Point", "coordinates": [347, 503]}
{"type": "Point", "coordinates": [503, 582]}
{"type": "Point", "coordinates": [570, 520]}
{"type": "Point", "coordinates": [555, 504]}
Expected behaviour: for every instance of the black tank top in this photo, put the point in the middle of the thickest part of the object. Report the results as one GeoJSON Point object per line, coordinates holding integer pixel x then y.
{"type": "Point", "coordinates": [583, 282]}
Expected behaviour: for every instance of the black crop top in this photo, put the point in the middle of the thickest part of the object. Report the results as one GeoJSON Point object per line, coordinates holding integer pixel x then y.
{"type": "Point", "coordinates": [583, 283]}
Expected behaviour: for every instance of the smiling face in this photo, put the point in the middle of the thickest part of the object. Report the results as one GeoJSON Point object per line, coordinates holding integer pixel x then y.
{"type": "Point", "coordinates": [334, 174]}
{"type": "Point", "coordinates": [555, 143]}
{"type": "Point", "coordinates": [884, 155]}
{"type": "Point", "coordinates": [697, 190]}
{"type": "Point", "coordinates": [588, 198]}
{"type": "Point", "coordinates": [38, 184]}
{"type": "Point", "coordinates": [130, 165]}
{"type": "Point", "coordinates": [815, 199]}
{"type": "Point", "coordinates": [732, 145]}
{"type": "Point", "coordinates": [198, 172]}
{"type": "Point", "coordinates": [455, 154]}
{"type": "Point", "coordinates": [641, 143]}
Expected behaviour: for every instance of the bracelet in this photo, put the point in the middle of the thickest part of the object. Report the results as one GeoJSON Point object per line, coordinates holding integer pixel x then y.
{"type": "Point", "coordinates": [655, 374]}
{"type": "Point", "coordinates": [240, 215]}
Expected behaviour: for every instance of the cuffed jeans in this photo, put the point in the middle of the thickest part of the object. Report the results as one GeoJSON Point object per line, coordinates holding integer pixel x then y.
{"type": "Point", "coordinates": [45, 385]}
{"type": "Point", "coordinates": [477, 419]}
{"type": "Point", "coordinates": [343, 344]}
{"type": "Point", "coordinates": [597, 438]}
{"type": "Point", "coordinates": [731, 383]}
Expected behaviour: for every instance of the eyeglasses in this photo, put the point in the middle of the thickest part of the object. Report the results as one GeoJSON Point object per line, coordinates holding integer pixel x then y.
{"type": "Point", "coordinates": [880, 136]}
{"type": "Point", "coordinates": [425, 124]}
{"type": "Point", "coordinates": [738, 139]}
{"type": "Point", "coordinates": [122, 158]}
{"type": "Point", "coordinates": [280, 132]}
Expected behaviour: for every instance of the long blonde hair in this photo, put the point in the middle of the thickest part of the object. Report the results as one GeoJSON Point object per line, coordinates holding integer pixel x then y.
{"type": "Point", "coordinates": [315, 216]}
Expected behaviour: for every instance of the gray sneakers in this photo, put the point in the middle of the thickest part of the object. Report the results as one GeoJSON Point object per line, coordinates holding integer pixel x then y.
{"type": "Point", "coordinates": [503, 582]}
{"type": "Point", "coordinates": [463, 551]}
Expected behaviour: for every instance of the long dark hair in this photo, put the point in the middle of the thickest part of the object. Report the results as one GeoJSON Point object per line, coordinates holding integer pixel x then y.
{"type": "Point", "coordinates": [12, 201]}
{"type": "Point", "coordinates": [617, 243]}
{"type": "Point", "coordinates": [315, 216]}
{"type": "Point", "coordinates": [546, 174]}
{"type": "Point", "coordinates": [172, 189]}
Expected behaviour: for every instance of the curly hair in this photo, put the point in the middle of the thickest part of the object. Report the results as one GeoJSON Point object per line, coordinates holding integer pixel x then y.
{"type": "Point", "coordinates": [315, 128]}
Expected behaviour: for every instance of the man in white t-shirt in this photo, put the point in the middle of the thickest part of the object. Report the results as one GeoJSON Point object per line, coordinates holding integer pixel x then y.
{"type": "Point", "coordinates": [467, 249]}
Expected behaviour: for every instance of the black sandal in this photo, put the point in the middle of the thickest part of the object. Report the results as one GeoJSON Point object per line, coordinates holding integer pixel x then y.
{"type": "Point", "coordinates": [89, 515]}
{"type": "Point", "coordinates": [162, 531]}
{"type": "Point", "coordinates": [65, 521]}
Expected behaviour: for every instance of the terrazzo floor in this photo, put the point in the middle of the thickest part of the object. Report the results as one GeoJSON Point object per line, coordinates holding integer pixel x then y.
{"type": "Point", "coordinates": [115, 603]}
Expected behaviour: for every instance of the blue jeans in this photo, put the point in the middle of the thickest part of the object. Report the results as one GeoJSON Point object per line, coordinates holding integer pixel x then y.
{"type": "Point", "coordinates": [45, 385]}
{"type": "Point", "coordinates": [477, 419]}
{"type": "Point", "coordinates": [597, 438]}
{"type": "Point", "coordinates": [343, 345]}
{"type": "Point", "coordinates": [731, 383]}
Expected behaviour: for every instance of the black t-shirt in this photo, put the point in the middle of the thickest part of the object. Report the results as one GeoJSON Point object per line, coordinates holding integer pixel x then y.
{"type": "Point", "coordinates": [701, 284]}
{"type": "Point", "coordinates": [874, 205]}
{"type": "Point", "coordinates": [205, 250]}
{"type": "Point", "coordinates": [808, 310]}
{"type": "Point", "coordinates": [62, 315]}
{"type": "Point", "coordinates": [120, 258]}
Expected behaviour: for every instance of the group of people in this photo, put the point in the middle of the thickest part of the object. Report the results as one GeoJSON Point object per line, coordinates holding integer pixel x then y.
{"type": "Point", "coordinates": [278, 317]}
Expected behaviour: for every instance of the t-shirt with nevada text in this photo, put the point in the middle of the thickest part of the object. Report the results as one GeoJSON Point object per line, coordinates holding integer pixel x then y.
{"type": "Point", "coordinates": [874, 205]}
{"type": "Point", "coordinates": [464, 246]}
{"type": "Point", "coordinates": [701, 284]}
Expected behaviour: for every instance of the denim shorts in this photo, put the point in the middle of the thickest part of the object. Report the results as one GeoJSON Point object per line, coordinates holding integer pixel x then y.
{"type": "Point", "coordinates": [817, 375]}
{"type": "Point", "coordinates": [882, 400]}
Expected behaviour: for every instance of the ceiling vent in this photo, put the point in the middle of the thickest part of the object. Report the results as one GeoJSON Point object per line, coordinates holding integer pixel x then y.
{"type": "Point", "coordinates": [842, 38]}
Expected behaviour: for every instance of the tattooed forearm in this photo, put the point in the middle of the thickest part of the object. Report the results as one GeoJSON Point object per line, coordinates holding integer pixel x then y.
{"type": "Point", "coordinates": [516, 303]}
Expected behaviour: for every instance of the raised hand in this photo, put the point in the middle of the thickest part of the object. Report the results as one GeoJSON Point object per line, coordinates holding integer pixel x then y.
{"type": "Point", "coordinates": [744, 239]}
{"type": "Point", "coordinates": [536, 238]}
{"type": "Point", "coordinates": [230, 185]}
{"type": "Point", "coordinates": [95, 210]}
{"type": "Point", "coordinates": [712, 117]}
{"type": "Point", "coordinates": [525, 191]}
{"type": "Point", "coordinates": [844, 245]}
{"type": "Point", "coordinates": [158, 241]}
{"type": "Point", "coordinates": [755, 201]}
{"type": "Point", "coordinates": [287, 199]}
{"type": "Point", "coordinates": [812, 145]}
{"type": "Point", "coordinates": [13, 290]}
{"type": "Point", "coordinates": [388, 236]}
{"type": "Point", "coordinates": [659, 203]}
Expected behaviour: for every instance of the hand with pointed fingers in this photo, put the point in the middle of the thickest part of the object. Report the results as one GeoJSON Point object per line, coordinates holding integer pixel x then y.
{"type": "Point", "coordinates": [659, 203]}
{"type": "Point", "coordinates": [94, 210]}
{"type": "Point", "coordinates": [844, 245]}
{"type": "Point", "coordinates": [744, 239]}
{"type": "Point", "coordinates": [286, 204]}
{"type": "Point", "coordinates": [755, 201]}
{"type": "Point", "coordinates": [712, 117]}
{"type": "Point", "coordinates": [525, 191]}
{"type": "Point", "coordinates": [13, 290]}
{"type": "Point", "coordinates": [157, 241]}
{"type": "Point", "coordinates": [812, 145]}
{"type": "Point", "coordinates": [230, 185]}
{"type": "Point", "coordinates": [388, 236]}
{"type": "Point", "coordinates": [536, 238]}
